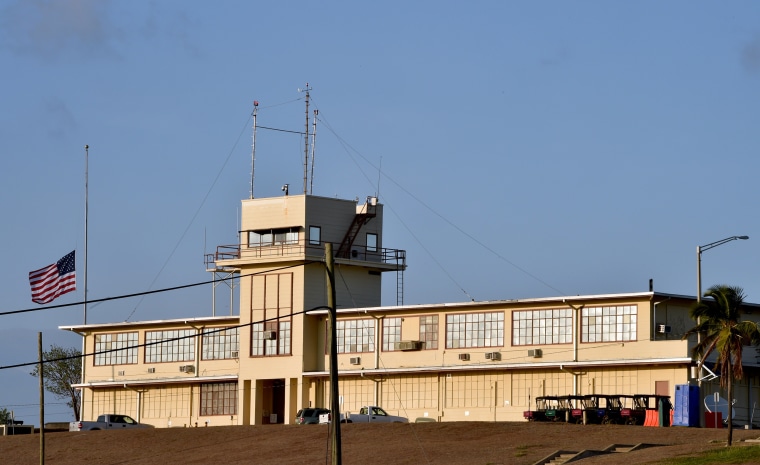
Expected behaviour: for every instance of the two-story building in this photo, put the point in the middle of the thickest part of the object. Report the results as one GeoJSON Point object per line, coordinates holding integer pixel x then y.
{"type": "Point", "coordinates": [455, 361]}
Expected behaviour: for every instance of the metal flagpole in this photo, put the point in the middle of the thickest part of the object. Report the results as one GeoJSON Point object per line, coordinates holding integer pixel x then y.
{"type": "Point", "coordinates": [86, 213]}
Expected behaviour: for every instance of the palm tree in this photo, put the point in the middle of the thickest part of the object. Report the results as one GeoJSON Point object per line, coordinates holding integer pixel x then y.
{"type": "Point", "coordinates": [722, 332]}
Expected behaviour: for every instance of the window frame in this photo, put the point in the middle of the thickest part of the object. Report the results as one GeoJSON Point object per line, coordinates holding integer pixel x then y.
{"type": "Point", "coordinates": [315, 231]}
{"type": "Point", "coordinates": [374, 244]}
{"type": "Point", "coordinates": [113, 355]}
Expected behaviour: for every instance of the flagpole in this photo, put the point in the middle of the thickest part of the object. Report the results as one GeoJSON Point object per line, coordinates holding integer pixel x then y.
{"type": "Point", "coordinates": [86, 213]}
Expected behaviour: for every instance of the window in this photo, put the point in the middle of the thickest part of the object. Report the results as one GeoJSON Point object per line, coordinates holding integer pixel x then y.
{"type": "Point", "coordinates": [608, 324]}
{"type": "Point", "coordinates": [315, 235]}
{"type": "Point", "coordinates": [118, 349]}
{"type": "Point", "coordinates": [429, 331]}
{"type": "Point", "coordinates": [391, 333]}
{"type": "Point", "coordinates": [355, 335]}
{"type": "Point", "coordinates": [218, 344]}
{"type": "Point", "coordinates": [170, 346]}
{"type": "Point", "coordinates": [270, 237]}
{"type": "Point", "coordinates": [219, 399]}
{"type": "Point", "coordinates": [551, 326]}
{"type": "Point", "coordinates": [271, 338]}
{"type": "Point", "coordinates": [475, 330]}
{"type": "Point", "coordinates": [371, 242]}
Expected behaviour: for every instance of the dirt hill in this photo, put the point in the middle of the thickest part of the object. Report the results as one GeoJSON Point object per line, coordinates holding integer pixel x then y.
{"type": "Point", "coordinates": [414, 443]}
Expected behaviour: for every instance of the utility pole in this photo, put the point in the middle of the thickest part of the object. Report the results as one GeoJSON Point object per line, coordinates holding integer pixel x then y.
{"type": "Point", "coordinates": [334, 392]}
{"type": "Point", "coordinates": [42, 399]}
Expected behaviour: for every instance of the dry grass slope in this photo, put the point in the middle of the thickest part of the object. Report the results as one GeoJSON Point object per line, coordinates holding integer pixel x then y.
{"type": "Point", "coordinates": [420, 443]}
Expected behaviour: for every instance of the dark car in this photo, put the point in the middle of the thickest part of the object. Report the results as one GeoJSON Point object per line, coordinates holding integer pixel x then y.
{"type": "Point", "coordinates": [310, 416]}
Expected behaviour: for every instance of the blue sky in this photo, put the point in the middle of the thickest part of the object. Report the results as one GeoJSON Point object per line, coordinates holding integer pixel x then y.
{"type": "Point", "coordinates": [521, 149]}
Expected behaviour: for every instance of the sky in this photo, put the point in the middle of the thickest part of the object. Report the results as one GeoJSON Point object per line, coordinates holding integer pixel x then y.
{"type": "Point", "coordinates": [521, 149]}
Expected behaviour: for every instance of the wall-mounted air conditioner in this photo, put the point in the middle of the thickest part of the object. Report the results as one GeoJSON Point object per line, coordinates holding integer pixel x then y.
{"type": "Point", "coordinates": [235, 354]}
{"type": "Point", "coordinates": [270, 335]}
{"type": "Point", "coordinates": [663, 329]}
{"type": "Point", "coordinates": [493, 355]}
{"type": "Point", "coordinates": [535, 353]}
{"type": "Point", "coordinates": [151, 370]}
{"type": "Point", "coordinates": [464, 357]}
{"type": "Point", "coordinates": [355, 360]}
{"type": "Point", "coordinates": [187, 368]}
{"type": "Point", "coordinates": [409, 345]}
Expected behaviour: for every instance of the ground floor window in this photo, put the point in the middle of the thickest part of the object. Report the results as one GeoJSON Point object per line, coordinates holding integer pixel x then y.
{"type": "Point", "coordinates": [219, 399]}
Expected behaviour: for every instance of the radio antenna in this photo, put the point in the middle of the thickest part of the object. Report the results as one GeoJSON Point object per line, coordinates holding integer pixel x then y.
{"type": "Point", "coordinates": [306, 141]}
{"type": "Point", "coordinates": [253, 143]}
{"type": "Point", "coordinates": [313, 144]}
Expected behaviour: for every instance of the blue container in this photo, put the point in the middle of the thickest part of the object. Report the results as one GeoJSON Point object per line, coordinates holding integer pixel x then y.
{"type": "Point", "coordinates": [686, 408]}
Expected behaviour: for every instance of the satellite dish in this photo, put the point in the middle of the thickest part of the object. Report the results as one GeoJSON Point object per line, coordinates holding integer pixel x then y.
{"type": "Point", "coordinates": [715, 403]}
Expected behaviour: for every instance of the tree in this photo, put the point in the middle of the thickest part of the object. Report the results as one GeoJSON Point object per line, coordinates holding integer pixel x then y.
{"type": "Point", "coordinates": [722, 332]}
{"type": "Point", "coordinates": [5, 415]}
{"type": "Point", "coordinates": [62, 368]}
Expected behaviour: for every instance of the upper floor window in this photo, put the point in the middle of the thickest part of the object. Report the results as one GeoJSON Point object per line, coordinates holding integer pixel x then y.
{"type": "Point", "coordinates": [429, 331]}
{"type": "Point", "coordinates": [475, 330]}
{"type": "Point", "coordinates": [391, 333]}
{"type": "Point", "coordinates": [268, 237]}
{"type": "Point", "coordinates": [272, 338]}
{"type": "Point", "coordinates": [315, 235]}
{"type": "Point", "coordinates": [176, 345]}
{"type": "Point", "coordinates": [551, 326]}
{"type": "Point", "coordinates": [219, 344]}
{"type": "Point", "coordinates": [609, 324]}
{"type": "Point", "coordinates": [356, 335]}
{"type": "Point", "coordinates": [117, 349]}
{"type": "Point", "coordinates": [371, 242]}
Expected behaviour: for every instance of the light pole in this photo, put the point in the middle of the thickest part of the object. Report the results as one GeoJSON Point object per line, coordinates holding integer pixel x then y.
{"type": "Point", "coordinates": [700, 249]}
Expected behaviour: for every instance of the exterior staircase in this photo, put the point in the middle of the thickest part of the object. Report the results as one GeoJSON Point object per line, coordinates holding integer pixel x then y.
{"type": "Point", "coordinates": [566, 456]}
{"type": "Point", "coordinates": [362, 218]}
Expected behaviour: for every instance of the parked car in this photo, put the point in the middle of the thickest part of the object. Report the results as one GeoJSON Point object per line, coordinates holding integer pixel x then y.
{"type": "Point", "coordinates": [107, 421]}
{"type": "Point", "coordinates": [310, 416]}
{"type": "Point", "coordinates": [371, 414]}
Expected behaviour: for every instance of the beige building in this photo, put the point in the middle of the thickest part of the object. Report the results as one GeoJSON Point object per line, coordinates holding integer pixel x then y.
{"type": "Point", "coordinates": [475, 361]}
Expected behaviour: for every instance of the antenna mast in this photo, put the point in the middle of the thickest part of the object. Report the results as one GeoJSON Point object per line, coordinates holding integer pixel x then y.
{"type": "Point", "coordinates": [253, 143]}
{"type": "Point", "coordinates": [313, 144]}
{"type": "Point", "coordinates": [306, 142]}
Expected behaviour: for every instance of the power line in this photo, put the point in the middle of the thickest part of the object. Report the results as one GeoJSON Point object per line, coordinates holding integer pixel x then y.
{"type": "Point", "coordinates": [156, 291]}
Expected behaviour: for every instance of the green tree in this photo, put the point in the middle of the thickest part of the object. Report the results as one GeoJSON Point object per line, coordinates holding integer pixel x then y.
{"type": "Point", "coordinates": [5, 415]}
{"type": "Point", "coordinates": [721, 332]}
{"type": "Point", "coordinates": [62, 368]}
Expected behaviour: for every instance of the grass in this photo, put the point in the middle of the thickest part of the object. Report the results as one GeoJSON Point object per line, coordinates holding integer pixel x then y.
{"type": "Point", "coordinates": [729, 455]}
{"type": "Point", "coordinates": [521, 451]}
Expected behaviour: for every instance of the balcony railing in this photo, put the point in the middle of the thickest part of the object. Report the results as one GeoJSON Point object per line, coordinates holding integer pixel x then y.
{"type": "Point", "coordinates": [296, 249]}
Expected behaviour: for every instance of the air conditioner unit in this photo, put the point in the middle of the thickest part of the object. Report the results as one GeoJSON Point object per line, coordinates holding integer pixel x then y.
{"type": "Point", "coordinates": [120, 373]}
{"type": "Point", "coordinates": [464, 357]}
{"type": "Point", "coordinates": [270, 335]}
{"type": "Point", "coordinates": [409, 345]}
{"type": "Point", "coordinates": [535, 353]}
{"type": "Point", "coordinates": [151, 370]}
{"type": "Point", "coordinates": [493, 355]}
{"type": "Point", "coordinates": [663, 329]}
{"type": "Point", "coordinates": [235, 354]}
{"type": "Point", "coordinates": [356, 360]}
{"type": "Point", "coordinates": [187, 368]}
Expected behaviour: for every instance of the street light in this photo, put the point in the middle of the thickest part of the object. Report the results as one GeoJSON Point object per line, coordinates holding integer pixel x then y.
{"type": "Point", "coordinates": [702, 248]}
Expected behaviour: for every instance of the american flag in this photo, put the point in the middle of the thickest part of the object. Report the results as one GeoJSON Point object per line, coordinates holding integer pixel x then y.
{"type": "Point", "coordinates": [53, 280]}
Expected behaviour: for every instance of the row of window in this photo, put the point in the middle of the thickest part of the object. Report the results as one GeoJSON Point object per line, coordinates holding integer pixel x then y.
{"type": "Point", "coordinates": [465, 330]}
{"type": "Point", "coordinates": [284, 236]}
{"type": "Point", "coordinates": [471, 330]}
{"type": "Point", "coordinates": [166, 346]}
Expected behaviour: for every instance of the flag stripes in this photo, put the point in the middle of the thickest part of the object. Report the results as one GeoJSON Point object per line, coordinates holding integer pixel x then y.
{"type": "Point", "coordinates": [53, 280]}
